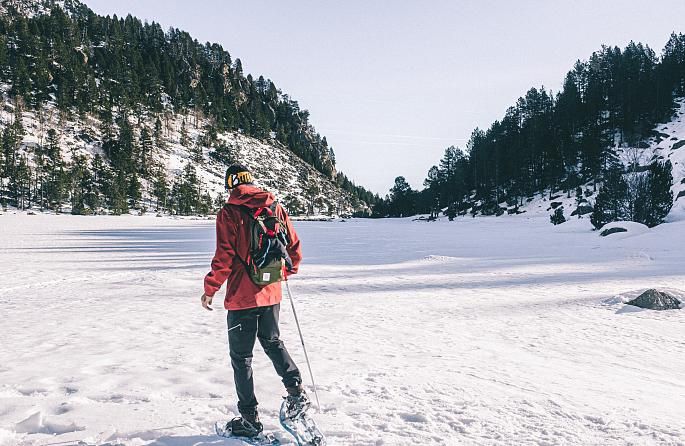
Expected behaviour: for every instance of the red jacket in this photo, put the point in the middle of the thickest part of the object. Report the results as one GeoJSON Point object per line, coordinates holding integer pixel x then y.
{"type": "Point", "coordinates": [232, 240]}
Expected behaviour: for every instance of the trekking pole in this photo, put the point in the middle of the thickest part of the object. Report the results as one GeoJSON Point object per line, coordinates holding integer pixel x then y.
{"type": "Point", "coordinates": [306, 357]}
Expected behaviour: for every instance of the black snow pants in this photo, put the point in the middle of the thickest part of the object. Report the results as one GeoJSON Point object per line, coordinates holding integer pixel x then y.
{"type": "Point", "coordinates": [244, 326]}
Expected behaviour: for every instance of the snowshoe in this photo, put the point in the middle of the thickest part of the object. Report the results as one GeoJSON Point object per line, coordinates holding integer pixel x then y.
{"type": "Point", "coordinates": [301, 426]}
{"type": "Point", "coordinates": [296, 403]}
{"type": "Point", "coordinates": [247, 432]}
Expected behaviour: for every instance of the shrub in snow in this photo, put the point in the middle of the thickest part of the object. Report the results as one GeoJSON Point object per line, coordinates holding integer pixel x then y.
{"type": "Point", "coordinates": [492, 208]}
{"type": "Point", "coordinates": [656, 300]}
{"type": "Point", "coordinates": [558, 217]}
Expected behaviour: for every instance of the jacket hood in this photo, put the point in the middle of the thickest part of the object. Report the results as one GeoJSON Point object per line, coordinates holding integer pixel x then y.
{"type": "Point", "coordinates": [250, 196]}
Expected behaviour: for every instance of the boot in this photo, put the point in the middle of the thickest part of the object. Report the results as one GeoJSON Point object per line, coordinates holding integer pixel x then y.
{"type": "Point", "coordinates": [297, 402]}
{"type": "Point", "coordinates": [247, 425]}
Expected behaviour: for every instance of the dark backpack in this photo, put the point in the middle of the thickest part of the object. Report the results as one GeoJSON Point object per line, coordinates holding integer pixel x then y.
{"type": "Point", "coordinates": [268, 256]}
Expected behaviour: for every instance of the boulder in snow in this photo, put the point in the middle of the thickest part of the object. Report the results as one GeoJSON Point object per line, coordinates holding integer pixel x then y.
{"type": "Point", "coordinates": [654, 299]}
{"type": "Point", "coordinates": [629, 227]}
{"type": "Point", "coordinates": [582, 209]}
{"type": "Point", "coordinates": [613, 230]}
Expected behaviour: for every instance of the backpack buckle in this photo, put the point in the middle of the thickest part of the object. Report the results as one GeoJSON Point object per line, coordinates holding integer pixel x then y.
{"type": "Point", "coordinates": [260, 211]}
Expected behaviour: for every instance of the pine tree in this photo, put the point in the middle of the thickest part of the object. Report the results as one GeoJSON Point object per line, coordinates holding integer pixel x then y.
{"type": "Point", "coordinates": [55, 183]}
{"type": "Point", "coordinates": [220, 200]}
{"type": "Point", "coordinates": [102, 183]}
{"type": "Point", "coordinates": [311, 192]}
{"type": "Point", "coordinates": [381, 208]}
{"type": "Point", "coordinates": [160, 188]}
{"type": "Point", "coordinates": [106, 127]}
{"type": "Point", "coordinates": [184, 135]}
{"type": "Point", "coordinates": [117, 197]}
{"type": "Point", "coordinates": [9, 148]}
{"type": "Point", "coordinates": [610, 204]}
{"type": "Point", "coordinates": [402, 198]}
{"type": "Point", "coordinates": [185, 192]}
{"type": "Point", "coordinates": [80, 183]}
{"type": "Point", "coordinates": [126, 150]}
{"type": "Point", "coordinates": [210, 137]}
{"type": "Point", "coordinates": [659, 192]}
{"type": "Point", "coordinates": [206, 204]}
{"type": "Point", "coordinates": [18, 124]}
{"type": "Point", "coordinates": [134, 191]}
{"type": "Point", "coordinates": [432, 183]}
{"type": "Point", "coordinates": [21, 184]}
{"type": "Point", "coordinates": [198, 152]}
{"type": "Point", "coordinates": [293, 205]}
{"type": "Point", "coordinates": [157, 134]}
{"type": "Point", "coordinates": [145, 144]}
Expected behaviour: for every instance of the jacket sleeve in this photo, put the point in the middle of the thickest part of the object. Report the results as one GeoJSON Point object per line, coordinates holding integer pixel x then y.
{"type": "Point", "coordinates": [294, 248]}
{"type": "Point", "coordinates": [223, 257]}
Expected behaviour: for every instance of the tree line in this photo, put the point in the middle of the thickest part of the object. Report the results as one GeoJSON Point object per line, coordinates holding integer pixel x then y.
{"type": "Point", "coordinates": [556, 142]}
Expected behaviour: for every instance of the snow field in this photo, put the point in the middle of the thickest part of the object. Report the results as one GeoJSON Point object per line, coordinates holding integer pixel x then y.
{"type": "Point", "coordinates": [491, 331]}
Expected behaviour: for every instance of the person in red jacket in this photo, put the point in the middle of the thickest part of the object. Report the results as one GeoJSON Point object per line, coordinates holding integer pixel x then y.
{"type": "Point", "coordinates": [252, 309]}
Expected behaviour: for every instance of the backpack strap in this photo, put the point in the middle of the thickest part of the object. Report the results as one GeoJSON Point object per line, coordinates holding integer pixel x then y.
{"type": "Point", "coordinates": [247, 211]}
{"type": "Point", "coordinates": [268, 212]}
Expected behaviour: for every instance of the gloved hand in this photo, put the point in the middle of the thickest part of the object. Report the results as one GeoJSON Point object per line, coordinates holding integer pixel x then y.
{"type": "Point", "coordinates": [206, 302]}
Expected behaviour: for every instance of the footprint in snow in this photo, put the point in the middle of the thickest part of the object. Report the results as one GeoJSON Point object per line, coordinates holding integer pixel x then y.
{"type": "Point", "coordinates": [413, 417]}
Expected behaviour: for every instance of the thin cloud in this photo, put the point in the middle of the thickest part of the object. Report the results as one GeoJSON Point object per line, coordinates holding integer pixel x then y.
{"type": "Point", "coordinates": [379, 135]}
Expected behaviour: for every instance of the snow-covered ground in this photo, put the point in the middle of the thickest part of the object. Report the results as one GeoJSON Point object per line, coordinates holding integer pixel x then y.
{"type": "Point", "coordinates": [485, 331]}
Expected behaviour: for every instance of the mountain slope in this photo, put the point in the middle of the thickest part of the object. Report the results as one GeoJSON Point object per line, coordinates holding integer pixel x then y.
{"type": "Point", "coordinates": [669, 144]}
{"type": "Point", "coordinates": [122, 80]}
{"type": "Point", "coordinates": [294, 182]}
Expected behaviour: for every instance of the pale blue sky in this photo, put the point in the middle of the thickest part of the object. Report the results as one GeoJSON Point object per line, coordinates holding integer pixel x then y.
{"type": "Point", "coordinates": [392, 83]}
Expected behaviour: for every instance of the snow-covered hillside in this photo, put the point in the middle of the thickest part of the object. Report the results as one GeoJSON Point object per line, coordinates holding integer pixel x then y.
{"type": "Point", "coordinates": [667, 143]}
{"type": "Point", "coordinates": [486, 331]}
{"type": "Point", "coordinates": [31, 8]}
{"type": "Point", "coordinates": [275, 167]}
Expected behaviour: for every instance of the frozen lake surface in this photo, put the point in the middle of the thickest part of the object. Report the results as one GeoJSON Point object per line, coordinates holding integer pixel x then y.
{"type": "Point", "coordinates": [485, 331]}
